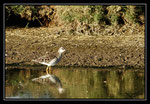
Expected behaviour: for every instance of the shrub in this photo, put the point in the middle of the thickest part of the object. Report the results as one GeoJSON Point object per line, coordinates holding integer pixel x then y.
{"type": "Point", "coordinates": [39, 15]}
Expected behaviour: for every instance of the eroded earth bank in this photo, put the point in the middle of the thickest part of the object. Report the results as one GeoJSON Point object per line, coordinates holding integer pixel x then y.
{"type": "Point", "coordinates": [24, 44]}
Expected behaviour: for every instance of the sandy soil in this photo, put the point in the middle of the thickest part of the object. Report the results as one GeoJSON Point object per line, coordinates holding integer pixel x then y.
{"type": "Point", "coordinates": [23, 45]}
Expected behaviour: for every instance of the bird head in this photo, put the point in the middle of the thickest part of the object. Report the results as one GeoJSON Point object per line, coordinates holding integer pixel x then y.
{"type": "Point", "coordinates": [61, 50]}
{"type": "Point", "coordinates": [61, 90]}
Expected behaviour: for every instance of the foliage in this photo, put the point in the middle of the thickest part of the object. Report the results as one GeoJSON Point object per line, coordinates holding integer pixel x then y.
{"type": "Point", "coordinates": [40, 14]}
{"type": "Point", "coordinates": [133, 12]}
{"type": "Point", "coordinates": [80, 19]}
{"type": "Point", "coordinates": [99, 13]}
{"type": "Point", "coordinates": [91, 19]}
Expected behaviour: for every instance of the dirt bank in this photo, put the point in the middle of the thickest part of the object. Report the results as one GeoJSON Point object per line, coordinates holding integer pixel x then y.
{"type": "Point", "coordinates": [23, 45]}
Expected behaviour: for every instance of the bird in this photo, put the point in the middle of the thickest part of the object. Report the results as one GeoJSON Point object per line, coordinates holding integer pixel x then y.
{"type": "Point", "coordinates": [51, 79]}
{"type": "Point", "coordinates": [50, 59]}
{"type": "Point", "coordinates": [58, 83]}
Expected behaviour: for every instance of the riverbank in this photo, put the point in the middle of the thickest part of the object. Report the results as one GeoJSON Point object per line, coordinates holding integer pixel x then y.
{"type": "Point", "coordinates": [25, 44]}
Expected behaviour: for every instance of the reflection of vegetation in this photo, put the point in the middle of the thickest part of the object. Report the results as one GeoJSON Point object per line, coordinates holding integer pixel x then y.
{"type": "Point", "coordinates": [92, 83]}
{"type": "Point", "coordinates": [129, 82]}
{"type": "Point", "coordinates": [113, 84]}
{"type": "Point", "coordinates": [79, 83]}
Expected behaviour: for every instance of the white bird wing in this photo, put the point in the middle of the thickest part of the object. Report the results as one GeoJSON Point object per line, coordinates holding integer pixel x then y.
{"type": "Point", "coordinates": [44, 63]}
{"type": "Point", "coordinates": [40, 62]}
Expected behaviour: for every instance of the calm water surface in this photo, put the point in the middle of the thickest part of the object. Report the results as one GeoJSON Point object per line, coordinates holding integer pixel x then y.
{"type": "Point", "coordinates": [76, 82]}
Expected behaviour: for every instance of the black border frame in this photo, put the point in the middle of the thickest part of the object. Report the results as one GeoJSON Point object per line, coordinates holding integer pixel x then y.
{"type": "Point", "coordinates": [41, 99]}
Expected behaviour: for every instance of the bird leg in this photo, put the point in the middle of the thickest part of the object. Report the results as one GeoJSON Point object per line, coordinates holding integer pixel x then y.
{"type": "Point", "coordinates": [50, 70]}
{"type": "Point", "coordinates": [47, 70]}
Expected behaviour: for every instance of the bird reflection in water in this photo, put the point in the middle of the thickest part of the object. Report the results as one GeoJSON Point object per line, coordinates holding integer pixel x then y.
{"type": "Point", "coordinates": [50, 60]}
{"type": "Point", "coordinates": [51, 80]}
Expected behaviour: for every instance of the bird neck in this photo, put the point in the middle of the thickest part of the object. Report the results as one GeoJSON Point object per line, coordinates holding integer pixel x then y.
{"type": "Point", "coordinates": [59, 85]}
{"type": "Point", "coordinates": [59, 54]}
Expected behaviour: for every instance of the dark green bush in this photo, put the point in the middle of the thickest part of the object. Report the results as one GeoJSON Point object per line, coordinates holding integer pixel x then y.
{"type": "Point", "coordinates": [38, 15]}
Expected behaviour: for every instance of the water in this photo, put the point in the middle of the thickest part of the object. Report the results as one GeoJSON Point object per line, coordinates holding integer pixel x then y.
{"type": "Point", "coordinates": [76, 82]}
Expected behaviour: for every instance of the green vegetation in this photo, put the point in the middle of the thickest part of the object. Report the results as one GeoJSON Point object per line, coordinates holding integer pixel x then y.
{"type": "Point", "coordinates": [77, 19]}
{"type": "Point", "coordinates": [100, 14]}
{"type": "Point", "coordinates": [94, 19]}
{"type": "Point", "coordinates": [39, 15]}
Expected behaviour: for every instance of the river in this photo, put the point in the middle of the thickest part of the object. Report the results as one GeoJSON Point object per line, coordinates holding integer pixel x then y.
{"type": "Point", "coordinates": [91, 83]}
